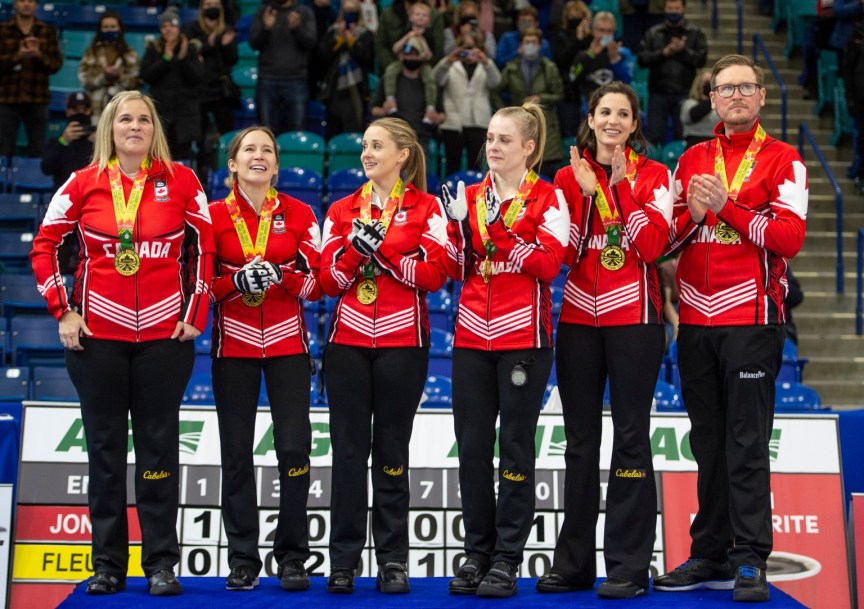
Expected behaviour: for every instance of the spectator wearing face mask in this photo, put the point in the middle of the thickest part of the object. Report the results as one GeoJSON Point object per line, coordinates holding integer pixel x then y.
{"type": "Point", "coordinates": [533, 78]}
{"type": "Point", "coordinates": [408, 90]}
{"type": "Point", "coordinates": [403, 19]}
{"type": "Point", "coordinates": [109, 64]}
{"type": "Point", "coordinates": [466, 23]}
{"type": "Point", "coordinates": [672, 51]}
{"type": "Point", "coordinates": [605, 60]}
{"type": "Point", "coordinates": [509, 43]}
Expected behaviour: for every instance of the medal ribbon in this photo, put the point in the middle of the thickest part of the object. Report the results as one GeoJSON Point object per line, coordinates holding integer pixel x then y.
{"type": "Point", "coordinates": [250, 250]}
{"type": "Point", "coordinates": [609, 216]}
{"type": "Point", "coordinates": [516, 206]}
{"type": "Point", "coordinates": [744, 168]}
{"type": "Point", "coordinates": [394, 201]}
{"type": "Point", "coordinates": [125, 212]}
{"type": "Point", "coordinates": [632, 161]}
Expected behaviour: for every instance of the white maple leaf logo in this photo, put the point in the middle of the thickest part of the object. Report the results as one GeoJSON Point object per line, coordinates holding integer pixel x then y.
{"type": "Point", "coordinates": [557, 219]}
{"type": "Point", "coordinates": [315, 233]}
{"type": "Point", "coordinates": [327, 232]}
{"type": "Point", "coordinates": [57, 209]}
{"type": "Point", "coordinates": [677, 189]}
{"type": "Point", "coordinates": [795, 194]}
{"type": "Point", "coordinates": [203, 206]}
{"type": "Point", "coordinates": [438, 229]}
{"type": "Point", "coordinates": [663, 201]}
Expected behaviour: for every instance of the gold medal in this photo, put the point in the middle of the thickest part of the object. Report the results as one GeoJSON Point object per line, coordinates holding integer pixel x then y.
{"type": "Point", "coordinates": [367, 291]}
{"type": "Point", "coordinates": [127, 262]}
{"type": "Point", "coordinates": [486, 270]}
{"type": "Point", "coordinates": [612, 257]}
{"type": "Point", "coordinates": [725, 233]}
{"type": "Point", "coordinates": [253, 300]}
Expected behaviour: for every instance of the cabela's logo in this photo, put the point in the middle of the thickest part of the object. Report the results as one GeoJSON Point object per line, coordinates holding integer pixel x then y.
{"type": "Point", "coordinates": [630, 473]}
{"type": "Point", "coordinates": [160, 475]}
{"type": "Point", "coordinates": [394, 471]}
{"type": "Point", "coordinates": [294, 472]}
{"type": "Point", "coordinates": [514, 476]}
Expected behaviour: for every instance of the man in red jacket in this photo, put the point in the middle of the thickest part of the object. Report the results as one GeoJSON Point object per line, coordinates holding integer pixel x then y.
{"type": "Point", "coordinates": [740, 211]}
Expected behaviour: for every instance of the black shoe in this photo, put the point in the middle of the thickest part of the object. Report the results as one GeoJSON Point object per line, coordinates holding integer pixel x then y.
{"type": "Point", "coordinates": [393, 578]}
{"type": "Point", "coordinates": [553, 583]}
{"type": "Point", "coordinates": [341, 581]}
{"type": "Point", "coordinates": [750, 585]}
{"type": "Point", "coordinates": [292, 576]}
{"type": "Point", "coordinates": [697, 573]}
{"type": "Point", "coordinates": [468, 577]}
{"type": "Point", "coordinates": [104, 583]}
{"type": "Point", "coordinates": [242, 577]}
{"type": "Point", "coordinates": [616, 587]}
{"type": "Point", "coordinates": [164, 583]}
{"type": "Point", "coordinates": [500, 580]}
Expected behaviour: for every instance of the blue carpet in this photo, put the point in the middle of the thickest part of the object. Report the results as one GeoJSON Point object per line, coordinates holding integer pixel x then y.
{"type": "Point", "coordinates": [426, 593]}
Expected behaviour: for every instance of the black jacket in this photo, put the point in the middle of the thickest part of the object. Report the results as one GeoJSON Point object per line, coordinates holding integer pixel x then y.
{"type": "Point", "coordinates": [672, 75]}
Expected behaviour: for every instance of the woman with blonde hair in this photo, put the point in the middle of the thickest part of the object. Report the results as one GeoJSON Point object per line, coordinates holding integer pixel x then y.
{"type": "Point", "coordinates": [382, 252]}
{"type": "Point", "coordinates": [508, 234]}
{"type": "Point", "coordinates": [139, 300]}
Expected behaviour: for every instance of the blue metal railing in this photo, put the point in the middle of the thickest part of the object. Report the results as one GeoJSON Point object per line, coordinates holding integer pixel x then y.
{"type": "Point", "coordinates": [804, 131]}
{"type": "Point", "coordinates": [859, 306]}
{"type": "Point", "coordinates": [759, 45]}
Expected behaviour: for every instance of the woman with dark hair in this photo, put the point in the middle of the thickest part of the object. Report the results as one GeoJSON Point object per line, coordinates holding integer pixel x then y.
{"type": "Point", "coordinates": [382, 251]}
{"type": "Point", "coordinates": [109, 64]}
{"type": "Point", "coordinates": [216, 91]}
{"type": "Point", "coordinates": [139, 301]}
{"type": "Point", "coordinates": [508, 235]}
{"type": "Point", "coordinates": [347, 55]}
{"type": "Point", "coordinates": [266, 265]}
{"type": "Point", "coordinates": [611, 328]}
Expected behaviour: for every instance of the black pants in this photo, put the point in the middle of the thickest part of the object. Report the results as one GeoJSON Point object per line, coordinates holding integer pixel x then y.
{"type": "Point", "coordinates": [481, 391]}
{"type": "Point", "coordinates": [727, 376]}
{"type": "Point", "coordinates": [471, 139]}
{"type": "Point", "coordinates": [146, 380]}
{"type": "Point", "coordinates": [630, 356]}
{"type": "Point", "coordinates": [361, 384]}
{"type": "Point", "coordinates": [236, 385]}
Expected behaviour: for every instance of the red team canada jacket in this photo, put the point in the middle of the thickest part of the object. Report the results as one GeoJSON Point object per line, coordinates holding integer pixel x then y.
{"type": "Point", "coordinates": [513, 310]}
{"type": "Point", "coordinates": [742, 282]}
{"type": "Point", "coordinates": [409, 263]}
{"type": "Point", "coordinates": [594, 295]}
{"type": "Point", "coordinates": [172, 235]}
{"type": "Point", "coordinates": [277, 327]}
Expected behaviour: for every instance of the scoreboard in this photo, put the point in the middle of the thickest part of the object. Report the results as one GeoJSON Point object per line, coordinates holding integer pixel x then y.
{"type": "Point", "coordinates": [52, 528]}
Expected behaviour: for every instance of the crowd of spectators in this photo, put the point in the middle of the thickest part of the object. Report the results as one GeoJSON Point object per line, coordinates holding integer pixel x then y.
{"type": "Point", "coordinates": [443, 68]}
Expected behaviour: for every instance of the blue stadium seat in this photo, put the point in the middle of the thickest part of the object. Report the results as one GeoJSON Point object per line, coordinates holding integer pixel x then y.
{"type": "Point", "coordinates": [34, 341]}
{"type": "Point", "coordinates": [14, 384]}
{"type": "Point", "coordinates": [557, 296]}
{"type": "Point", "coordinates": [667, 398]}
{"type": "Point", "coordinates": [15, 251]}
{"type": "Point", "coordinates": [216, 184]}
{"type": "Point", "coordinates": [469, 176]}
{"type": "Point", "coordinates": [18, 294]}
{"type": "Point", "coordinates": [795, 397]}
{"type": "Point", "coordinates": [20, 212]}
{"type": "Point", "coordinates": [303, 184]}
{"type": "Point", "coordinates": [316, 117]}
{"type": "Point", "coordinates": [140, 18]}
{"type": "Point", "coordinates": [204, 341]}
{"type": "Point", "coordinates": [433, 184]}
{"type": "Point", "coordinates": [343, 151]}
{"type": "Point", "coordinates": [301, 149]}
{"type": "Point", "coordinates": [827, 72]}
{"type": "Point", "coordinates": [138, 40]}
{"type": "Point", "coordinates": [73, 43]}
{"type": "Point", "coordinates": [52, 384]}
{"type": "Point", "coordinates": [438, 392]}
{"type": "Point", "coordinates": [671, 152]}
{"type": "Point", "coordinates": [81, 16]}
{"type": "Point", "coordinates": [66, 78]}
{"type": "Point", "coordinates": [246, 77]}
{"type": "Point", "coordinates": [343, 183]}
{"type": "Point", "coordinates": [26, 175]}
{"type": "Point", "coordinates": [440, 305]}
{"type": "Point", "coordinates": [441, 342]}
{"type": "Point", "coordinates": [199, 390]}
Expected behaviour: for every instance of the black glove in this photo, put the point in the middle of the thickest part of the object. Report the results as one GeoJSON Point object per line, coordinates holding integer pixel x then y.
{"type": "Point", "coordinates": [493, 206]}
{"type": "Point", "coordinates": [273, 271]}
{"type": "Point", "coordinates": [251, 278]}
{"type": "Point", "coordinates": [369, 236]}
